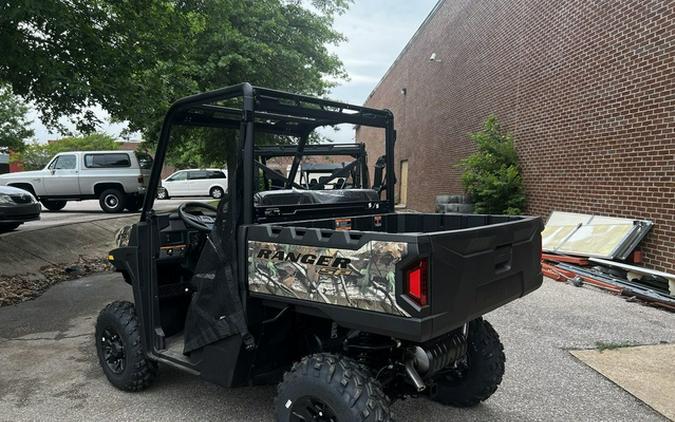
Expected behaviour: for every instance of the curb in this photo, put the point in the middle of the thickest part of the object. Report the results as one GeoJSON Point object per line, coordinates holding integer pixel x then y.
{"type": "Point", "coordinates": [25, 253]}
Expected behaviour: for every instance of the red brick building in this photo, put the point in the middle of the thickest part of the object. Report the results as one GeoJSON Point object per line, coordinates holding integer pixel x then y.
{"type": "Point", "coordinates": [587, 88]}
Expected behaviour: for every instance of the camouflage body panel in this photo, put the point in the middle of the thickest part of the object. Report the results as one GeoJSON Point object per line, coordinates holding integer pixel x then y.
{"type": "Point", "coordinates": [363, 278]}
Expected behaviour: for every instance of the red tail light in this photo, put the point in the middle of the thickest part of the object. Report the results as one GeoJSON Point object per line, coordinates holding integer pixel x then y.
{"type": "Point", "coordinates": [417, 284]}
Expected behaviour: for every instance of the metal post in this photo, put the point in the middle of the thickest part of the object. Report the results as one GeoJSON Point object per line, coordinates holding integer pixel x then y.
{"type": "Point", "coordinates": [296, 160]}
{"type": "Point", "coordinates": [248, 156]}
{"type": "Point", "coordinates": [390, 140]}
{"type": "Point", "coordinates": [156, 172]}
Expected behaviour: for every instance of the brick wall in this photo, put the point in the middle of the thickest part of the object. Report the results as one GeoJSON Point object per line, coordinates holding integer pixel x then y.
{"type": "Point", "coordinates": [587, 88]}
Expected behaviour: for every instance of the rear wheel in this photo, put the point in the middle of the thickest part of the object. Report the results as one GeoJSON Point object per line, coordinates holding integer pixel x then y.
{"type": "Point", "coordinates": [327, 387]}
{"type": "Point", "coordinates": [479, 377]}
{"type": "Point", "coordinates": [111, 200]}
{"type": "Point", "coordinates": [6, 227]}
{"type": "Point", "coordinates": [162, 193]}
{"type": "Point", "coordinates": [54, 205]}
{"type": "Point", "coordinates": [216, 192]}
{"type": "Point", "coordinates": [119, 348]}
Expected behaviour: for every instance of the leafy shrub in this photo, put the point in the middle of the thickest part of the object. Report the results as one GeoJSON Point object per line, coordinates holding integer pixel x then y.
{"type": "Point", "coordinates": [491, 175]}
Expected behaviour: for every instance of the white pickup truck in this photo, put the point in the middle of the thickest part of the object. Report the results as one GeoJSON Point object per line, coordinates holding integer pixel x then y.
{"type": "Point", "coordinates": [118, 179]}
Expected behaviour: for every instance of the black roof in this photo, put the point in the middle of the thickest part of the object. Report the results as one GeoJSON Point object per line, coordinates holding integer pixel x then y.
{"type": "Point", "coordinates": [275, 112]}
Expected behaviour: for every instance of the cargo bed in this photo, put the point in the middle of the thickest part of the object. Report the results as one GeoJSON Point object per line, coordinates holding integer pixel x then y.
{"type": "Point", "coordinates": [329, 267]}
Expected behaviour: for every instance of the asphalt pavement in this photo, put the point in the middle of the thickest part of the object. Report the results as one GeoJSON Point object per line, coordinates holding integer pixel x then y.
{"type": "Point", "coordinates": [49, 369]}
{"type": "Point", "coordinates": [84, 211]}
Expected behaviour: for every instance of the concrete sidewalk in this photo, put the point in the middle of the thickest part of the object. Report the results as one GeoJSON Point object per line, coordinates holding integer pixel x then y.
{"type": "Point", "coordinates": [50, 370]}
{"type": "Point", "coordinates": [647, 372]}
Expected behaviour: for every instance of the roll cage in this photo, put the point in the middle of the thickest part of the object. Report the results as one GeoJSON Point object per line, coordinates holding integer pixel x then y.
{"type": "Point", "coordinates": [357, 168]}
{"type": "Point", "coordinates": [254, 110]}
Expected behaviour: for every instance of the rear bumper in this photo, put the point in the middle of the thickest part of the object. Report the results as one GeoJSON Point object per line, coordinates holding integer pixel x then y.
{"type": "Point", "coordinates": [20, 213]}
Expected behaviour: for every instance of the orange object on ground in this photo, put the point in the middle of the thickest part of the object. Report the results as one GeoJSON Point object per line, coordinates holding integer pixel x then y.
{"type": "Point", "coordinates": [565, 258]}
{"type": "Point", "coordinates": [559, 274]}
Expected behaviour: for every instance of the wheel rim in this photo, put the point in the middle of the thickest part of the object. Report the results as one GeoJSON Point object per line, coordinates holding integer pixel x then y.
{"type": "Point", "coordinates": [217, 193]}
{"type": "Point", "coordinates": [161, 194]}
{"type": "Point", "coordinates": [111, 200]}
{"type": "Point", "coordinates": [310, 408]}
{"type": "Point", "coordinates": [114, 354]}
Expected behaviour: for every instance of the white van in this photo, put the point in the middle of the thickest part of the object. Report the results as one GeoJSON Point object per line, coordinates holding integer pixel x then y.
{"type": "Point", "coordinates": [194, 182]}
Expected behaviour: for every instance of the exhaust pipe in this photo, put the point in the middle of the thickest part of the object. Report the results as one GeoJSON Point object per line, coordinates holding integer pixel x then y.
{"type": "Point", "coordinates": [414, 376]}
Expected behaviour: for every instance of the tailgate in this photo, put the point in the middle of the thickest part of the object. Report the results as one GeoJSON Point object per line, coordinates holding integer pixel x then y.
{"type": "Point", "coordinates": [476, 270]}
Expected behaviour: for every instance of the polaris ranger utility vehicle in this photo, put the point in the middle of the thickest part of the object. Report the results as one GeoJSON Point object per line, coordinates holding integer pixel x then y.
{"type": "Point", "coordinates": [328, 292]}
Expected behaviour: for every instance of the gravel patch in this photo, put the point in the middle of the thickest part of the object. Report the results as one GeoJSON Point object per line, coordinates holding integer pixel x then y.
{"type": "Point", "coordinates": [22, 287]}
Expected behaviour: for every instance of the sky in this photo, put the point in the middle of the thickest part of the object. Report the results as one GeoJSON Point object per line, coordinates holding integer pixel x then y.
{"type": "Point", "coordinates": [376, 31]}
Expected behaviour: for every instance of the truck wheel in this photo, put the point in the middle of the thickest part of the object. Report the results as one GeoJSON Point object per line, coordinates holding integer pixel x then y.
{"type": "Point", "coordinates": [216, 192]}
{"type": "Point", "coordinates": [54, 205]}
{"type": "Point", "coordinates": [119, 348]}
{"type": "Point", "coordinates": [111, 200]}
{"type": "Point", "coordinates": [483, 372]}
{"type": "Point", "coordinates": [327, 387]}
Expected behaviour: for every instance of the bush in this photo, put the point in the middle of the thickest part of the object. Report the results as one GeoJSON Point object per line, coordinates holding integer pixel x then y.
{"type": "Point", "coordinates": [491, 175]}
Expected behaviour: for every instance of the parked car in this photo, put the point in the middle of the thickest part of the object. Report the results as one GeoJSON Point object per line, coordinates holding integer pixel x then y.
{"type": "Point", "coordinates": [194, 182]}
{"type": "Point", "coordinates": [118, 179]}
{"type": "Point", "coordinates": [16, 207]}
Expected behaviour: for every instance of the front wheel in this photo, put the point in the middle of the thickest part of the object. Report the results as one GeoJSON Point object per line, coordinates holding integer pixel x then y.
{"type": "Point", "coordinates": [119, 348]}
{"type": "Point", "coordinates": [54, 205]}
{"type": "Point", "coordinates": [328, 387]}
{"type": "Point", "coordinates": [478, 378]}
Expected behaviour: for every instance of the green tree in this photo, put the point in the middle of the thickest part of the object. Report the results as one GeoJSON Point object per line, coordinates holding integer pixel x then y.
{"type": "Point", "coordinates": [13, 122]}
{"type": "Point", "coordinates": [36, 156]}
{"type": "Point", "coordinates": [491, 175]}
{"type": "Point", "coordinates": [135, 58]}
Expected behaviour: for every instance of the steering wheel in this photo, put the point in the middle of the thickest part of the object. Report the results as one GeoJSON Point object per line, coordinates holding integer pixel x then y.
{"type": "Point", "coordinates": [191, 215]}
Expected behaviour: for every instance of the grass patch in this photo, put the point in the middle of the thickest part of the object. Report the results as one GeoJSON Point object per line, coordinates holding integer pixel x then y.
{"type": "Point", "coordinates": [602, 346]}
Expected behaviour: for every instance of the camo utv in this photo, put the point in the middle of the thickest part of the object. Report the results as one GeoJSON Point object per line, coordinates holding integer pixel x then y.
{"type": "Point", "coordinates": [318, 286]}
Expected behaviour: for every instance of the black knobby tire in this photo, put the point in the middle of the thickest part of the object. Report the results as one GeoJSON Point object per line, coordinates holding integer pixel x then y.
{"type": "Point", "coordinates": [128, 369]}
{"type": "Point", "coordinates": [483, 372]}
{"type": "Point", "coordinates": [216, 192]}
{"type": "Point", "coordinates": [334, 385]}
{"type": "Point", "coordinates": [7, 227]}
{"type": "Point", "coordinates": [112, 201]}
{"type": "Point", "coordinates": [54, 205]}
